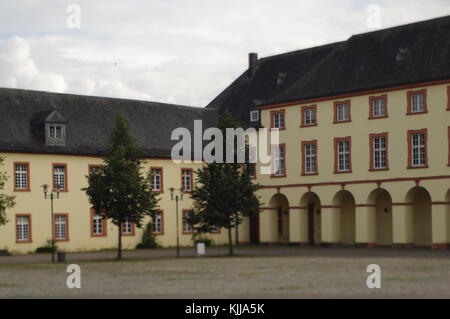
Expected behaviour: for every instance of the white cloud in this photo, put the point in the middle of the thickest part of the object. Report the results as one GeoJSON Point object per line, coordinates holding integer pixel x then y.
{"type": "Point", "coordinates": [174, 51]}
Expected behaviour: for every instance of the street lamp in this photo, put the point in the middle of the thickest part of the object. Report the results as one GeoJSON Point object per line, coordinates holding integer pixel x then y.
{"type": "Point", "coordinates": [54, 194]}
{"type": "Point", "coordinates": [177, 197]}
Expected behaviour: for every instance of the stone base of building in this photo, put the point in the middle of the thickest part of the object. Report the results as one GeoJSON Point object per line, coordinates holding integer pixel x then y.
{"type": "Point", "coordinates": [440, 246]}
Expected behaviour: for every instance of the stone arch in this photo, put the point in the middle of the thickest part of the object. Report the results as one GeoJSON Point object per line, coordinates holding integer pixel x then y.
{"type": "Point", "coordinates": [380, 202]}
{"type": "Point", "coordinates": [280, 217]}
{"type": "Point", "coordinates": [345, 221]}
{"type": "Point", "coordinates": [419, 207]}
{"type": "Point", "coordinates": [312, 223]}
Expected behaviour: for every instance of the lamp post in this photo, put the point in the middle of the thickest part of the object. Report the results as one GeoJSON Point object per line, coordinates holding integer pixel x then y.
{"type": "Point", "coordinates": [177, 197]}
{"type": "Point", "coordinates": [52, 195]}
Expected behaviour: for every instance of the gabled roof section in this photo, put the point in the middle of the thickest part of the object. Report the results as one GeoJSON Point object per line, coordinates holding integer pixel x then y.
{"type": "Point", "coordinates": [273, 75]}
{"type": "Point", "coordinates": [412, 53]}
{"type": "Point", "coordinates": [90, 121]}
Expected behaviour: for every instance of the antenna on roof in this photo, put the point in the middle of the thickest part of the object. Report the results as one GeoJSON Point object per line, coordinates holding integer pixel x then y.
{"type": "Point", "coordinates": [252, 63]}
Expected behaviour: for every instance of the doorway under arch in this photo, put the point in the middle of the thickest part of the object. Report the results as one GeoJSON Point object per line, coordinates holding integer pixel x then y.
{"type": "Point", "coordinates": [312, 203]}
{"type": "Point", "coordinates": [346, 222]}
{"type": "Point", "coordinates": [382, 201]}
{"type": "Point", "coordinates": [280, 218]}
{"type": "Point", "coordinates": [421, 215]}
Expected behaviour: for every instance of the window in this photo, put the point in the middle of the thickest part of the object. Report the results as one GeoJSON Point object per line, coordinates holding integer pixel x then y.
{"type": "Point", "coordinates": [94, 168]}
{"type": "Point", "coordinates": [417, 102]}
{"type": "Point", "coordinates": [60, 177]}
{"type": "Point", "coordinates": [254, 116]}
{"type": "Point", "coordinates": [342, 111]}
{"type": "Point", "coordinates": [252, 161]}
{"type": "Point", "coordinates": [55, 131]}
{"type": "Point", "coordinates": [186, 180]}
{"type": "Point", "coordinates": [98, 224]}
{"type": "Point", "coordinates": [187, 226]}
{"type": "Point", "coordinates": [21, 177]}
{"type": "Point", "coordinates": [157, 223]}
{"type": "Point", "coordinates": [157, 179]}
{"type": "Point", "coordinates": [309, 157]}
{"type": "Point", "coordinates": [417, 149]}
{"type": "Point", "coordinates": [277, 119]}
{"type": "Point", "coordinates": [23, 228]}
{"type": "Point", "coordinates": [61, 230]}
{"type": "Point", "coordinates": [214, 229]}
{"type": "Point", "coordinates": [279, 160]}
{"type": "Point", "coordinates": [379, 151]}
{"type": "Point", "coordinates": [342, 155]}
{"type": "Point", "coordinates": [309, 115]}
{"type": "Point", "coordinates": [378, 106]}
{"type": "Point", "coordinates": [127, 227]}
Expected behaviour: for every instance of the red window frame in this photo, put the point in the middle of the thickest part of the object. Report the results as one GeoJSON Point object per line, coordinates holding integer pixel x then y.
{"type": "Point", "coordinates": [372, 151]}
{"type": "Point", "coordinates": [335, 116]}
{"type": "Point", "coordinates": [409, 104]}
{"type": "Point", "coordinates": [336, 154]}
{"type": "Point", "coordinates": [303, 117]}
{"type": "Point", "coordinates": [182, 180]}
{"type": "Point", "coordinates": [162, 178]}
{"type": "Point", "coordinates": [374, 98]}
{"type": "Point", "coordinates": [303, 145]}
{"type": "Point", "coordinates": [161, 211]}
{"type": "Point", "coordinates": [448, 146]}
{"type": "Point", "coordinates": [133, 229]}
{"type": "Point", "coordinates": [282, 146]}
{"type": "Point", "coordinates": [410, 159]}
{"type": "Point", "coordinates": [28, 189]}
{"type": "Point", "coordinates": [66, 177]}
{"type": "Point", "coordinates": [67, 227]}
{"type": "Point", "coordinates": [104, 224]}
{"type": "Point", "coordinates": [183, 214]}
{"type": "Point", "coordinates": [272, 120]}
{"type": "Point", "coordinates": [30, 238]}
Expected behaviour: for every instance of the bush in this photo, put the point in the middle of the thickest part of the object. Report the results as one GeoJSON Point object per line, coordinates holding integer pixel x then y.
{"type": "Point", "coordinates": [208, 242]}
{"type": "Point", "coordinates": [148, 239]}
{"type": "Point", "coordinates": [47, 248]}
{"type": "Point", "coordinates": [4, 252]}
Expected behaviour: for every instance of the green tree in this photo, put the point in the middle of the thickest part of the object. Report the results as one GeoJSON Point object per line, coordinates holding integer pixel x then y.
{"type": "Point", "coordinates": [6, 201]}
{"type": "Point", "coordinates": [119, 190]}
{"type": "Point", "coordinates": [224, 194]}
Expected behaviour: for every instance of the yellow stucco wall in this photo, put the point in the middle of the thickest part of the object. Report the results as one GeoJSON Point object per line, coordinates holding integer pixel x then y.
{"type": "Point", "coordinates": [75, 203]}
{"type": "Point", "coordinates": [408, 220]}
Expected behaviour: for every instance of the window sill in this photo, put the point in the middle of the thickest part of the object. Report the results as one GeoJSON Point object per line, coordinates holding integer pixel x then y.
{"type": "Point", "coordinates": [22, 190]}
{"type": "Point", "coordinates": [417, 167]}
{"type": "Point", "coordinates": [377, 117]}
{"type": "Point", "coordinates": [23, 241]}
{"type": "Point", "coordinates": [309, 174]}
{"type": "Point", "coordinates": [343, 172]}
{"type": "Point", "coordinates": [308, 125]}
{"type": "Point", "coordinates": [416, 113]}
{"type": "Point", "coordinates": [277, 176]}
{"type": "Point", "coordinates": [378, 169]}
{"type": "Point", "coordinates": [339, 122]}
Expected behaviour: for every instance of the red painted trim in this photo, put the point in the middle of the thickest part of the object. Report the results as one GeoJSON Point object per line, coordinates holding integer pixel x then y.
{"type": "Point", "coordinates": [372, 152]}
{"type": "Point", "coordinates": [30, 238]}
{"type": "Point", "coordinates": [162, 178]}
{"type": "Point", "coordinates": [28, 189]}
{"type": "Point", "coordinates": [161, 211]}
{"type": "Point", "coordinates": [104, 225]}
{"type": "Point", "coordinates": [336, 153]}
{"type": "Point", "coordinates": [378, 97]}
{"type": "Point", "coordinates": [192, 179]}
{"type": "Point", "coordinates": [409, 136]}
{"type": "Point", "coordinates": [183, 213]}
{"type": "Point", "coordinates": [443, 246]}
{"type": "Point", "coordinates": [408, 97]}
{"type": "Point", "coordinates": [367, 181]}
{"type": "Point", "coordinates": [66, 177]}
{"type": "Point", "coordinates": [348, 95]}
{"type": "Point", "coordinates": [67, 226]}
{"type": "Point", "coordinates": [440, 203]}
{"type": "Point", "coordinates": [303, 145]}
{"type": "Point", "coordinates": [272, 122]}
{"type": "Point", "coordinates": [283, 147]}
{"type": "Point", "coordinates": [448, 98]}
{"type": "Point", "coordinates": [302, 115]}
{"type": "Point", "coordinates": [335, 115]}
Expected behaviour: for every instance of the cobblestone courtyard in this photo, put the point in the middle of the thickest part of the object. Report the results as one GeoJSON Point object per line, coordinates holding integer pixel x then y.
{"type": "Point", "coordinates": [257, 272]}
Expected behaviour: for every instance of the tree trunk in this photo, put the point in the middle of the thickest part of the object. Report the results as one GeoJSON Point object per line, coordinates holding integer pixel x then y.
{"type": "Point", "coordinates": [237, 231]}
{"type": "Point", "coordinates": [230, 242]}
{"type": "Point", "coordinates": [119, 250]}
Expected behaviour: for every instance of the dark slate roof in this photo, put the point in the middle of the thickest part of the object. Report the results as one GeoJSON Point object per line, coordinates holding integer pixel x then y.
{"type": "Point", "coordinates": [406, 54]}
{"type": "Point", "coordinates": [90, 121]}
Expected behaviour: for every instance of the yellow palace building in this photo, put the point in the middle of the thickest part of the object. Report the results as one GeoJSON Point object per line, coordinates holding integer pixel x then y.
{"type": "Point", "coordinates": [363, 159]}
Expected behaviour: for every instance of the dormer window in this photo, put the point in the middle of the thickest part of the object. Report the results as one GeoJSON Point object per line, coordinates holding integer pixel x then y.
{"type": "Point", "coordinates": [254, 116]}
{"type": "Point", "coordinates": [55, 131]}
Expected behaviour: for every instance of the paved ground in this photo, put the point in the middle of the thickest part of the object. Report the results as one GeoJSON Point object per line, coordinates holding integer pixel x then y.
{"type": "Point", "coordinates": [257, 272]}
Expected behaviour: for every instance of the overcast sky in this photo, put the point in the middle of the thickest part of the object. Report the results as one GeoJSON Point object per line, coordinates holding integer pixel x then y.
{"type": "Point", "coordinates": [177, 51]}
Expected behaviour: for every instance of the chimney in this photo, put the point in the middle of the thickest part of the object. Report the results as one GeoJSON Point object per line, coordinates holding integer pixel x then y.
{"type": "Point", "coordinates": [252, 63]}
